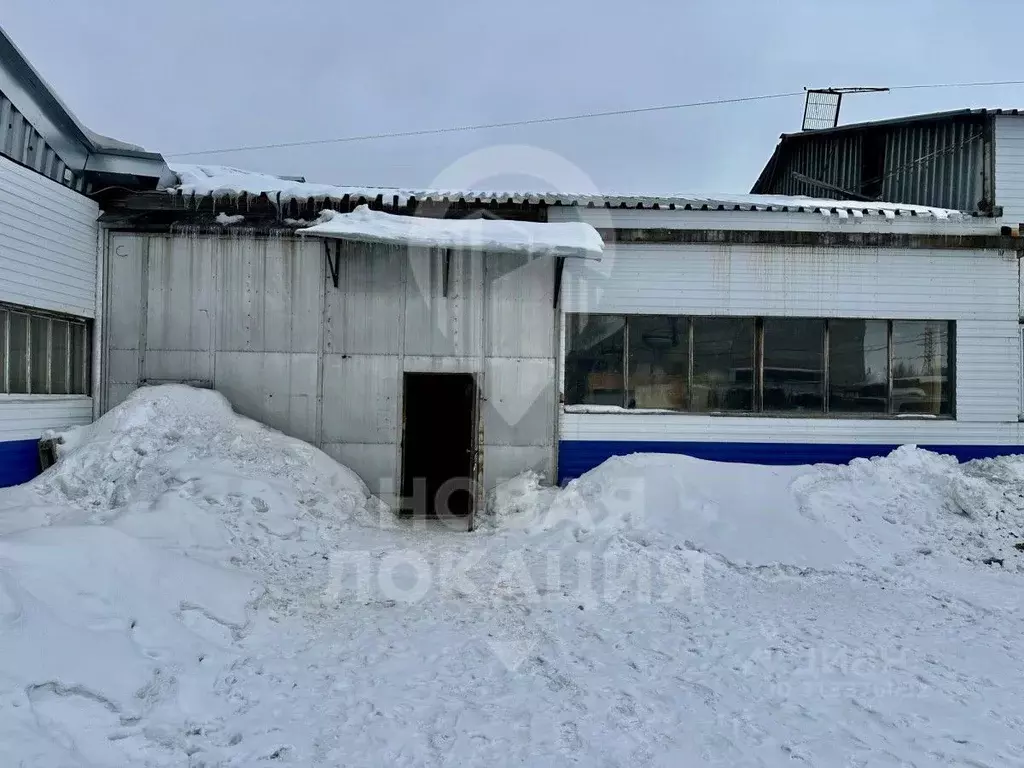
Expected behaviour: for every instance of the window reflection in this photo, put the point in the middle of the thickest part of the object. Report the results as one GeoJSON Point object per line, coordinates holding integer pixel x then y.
{"type": "Point", "coordinates": [794, 364]}
{"type": "Point", "coordinates": [920, 367]}
{"type": "Point", "coordinates": [595, 348]}
{"type": "Point", "coordinates": [723, 364]}
{"type": "Point", "coordinates": [858, 366]}
{"type": "Point", "coordinates": [659, 362]}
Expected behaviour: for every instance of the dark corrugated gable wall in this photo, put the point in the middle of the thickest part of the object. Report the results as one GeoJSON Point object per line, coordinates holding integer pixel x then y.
{"type": "Point", "coordinates": [936, 163]}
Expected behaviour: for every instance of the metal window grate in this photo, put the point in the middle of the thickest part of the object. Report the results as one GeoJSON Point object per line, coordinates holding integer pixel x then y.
{"type": "Point", "coordinates": [43, 353]}
{"type": "Point", "coordinates": [821, 110]}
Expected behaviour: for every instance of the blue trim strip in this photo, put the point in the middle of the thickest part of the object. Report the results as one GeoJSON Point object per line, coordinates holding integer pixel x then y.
{"type": "Point", "coordinates": [578, 456]}
{"type": "Point", "coordinates": [19, 462]}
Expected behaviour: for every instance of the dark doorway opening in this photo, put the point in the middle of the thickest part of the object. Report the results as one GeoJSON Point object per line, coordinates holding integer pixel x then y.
{"type": "Point", "coordinates": [439, 444]}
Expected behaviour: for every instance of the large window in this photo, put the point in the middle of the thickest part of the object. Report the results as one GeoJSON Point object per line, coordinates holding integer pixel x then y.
{"type": "Point", "coordinates": [794, 365]}
{"type": "Point", "coordinates": [43, 354]}
{"type": "Point", "coordinates": [595, 360]}
{"type": "Point", "coordinates": [723, 364]}
{"type": "Point", "coordinates": [786, 366]}
{"type": "Point", "coordinates": [920, 367]}
{"type": "Point", "coordinates": [858, 366]}
{"type": "Point", "coordinates": [659, 362]}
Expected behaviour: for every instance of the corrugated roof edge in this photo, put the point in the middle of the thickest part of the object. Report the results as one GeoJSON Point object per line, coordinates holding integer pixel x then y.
{"type": "Point", "coordinates": [922, 118]}
{"type": "Point", "coordinates": [755, 203]}
{"type": "Point", "coordinates": [392, 197]}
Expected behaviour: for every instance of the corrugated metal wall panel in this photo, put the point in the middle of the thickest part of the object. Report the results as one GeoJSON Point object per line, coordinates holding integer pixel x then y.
{"type": "Point", "coordinates": [47, 243]}
{"type": "Point", "coordinates": [1009, 171]}
{"type": "Point", "coordinates": [815, 282]}
{"type": "Point", "coordinates": [934, 164]}
{"type": "Point", "coordinates": [23, 144]}
{"type": "Point", "coordinates": [926, 163]}
{"type": "Point", "coordinates": [325, 364]}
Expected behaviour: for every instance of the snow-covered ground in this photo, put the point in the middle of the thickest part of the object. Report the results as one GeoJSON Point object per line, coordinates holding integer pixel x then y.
{"type": "Point", "coordinates": [189, 588]}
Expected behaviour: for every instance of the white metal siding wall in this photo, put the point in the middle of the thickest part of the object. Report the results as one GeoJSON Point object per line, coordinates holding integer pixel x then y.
{"type": "Point", "coordinates": [25, 417]}
{"type": "Point", "coordinates": [48, 260]}
{"type": "Point", "coordinates": [1009, 152]}
{"type": "Point", "coordinates": [47, 243]}
{"type": "Point", "coordinates": [978, 290]}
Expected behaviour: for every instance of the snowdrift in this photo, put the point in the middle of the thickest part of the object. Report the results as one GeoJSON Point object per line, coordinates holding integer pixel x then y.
{"type": "Point", "coordinates": [164, 601]}
{"type": "Point", "coordinates": [910, 504]}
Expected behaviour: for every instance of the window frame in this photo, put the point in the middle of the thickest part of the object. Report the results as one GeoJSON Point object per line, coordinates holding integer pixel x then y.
{"type": "Point", "coordinates": [83, 353]}
{"type": "Point", "coordinates": [758, 409]}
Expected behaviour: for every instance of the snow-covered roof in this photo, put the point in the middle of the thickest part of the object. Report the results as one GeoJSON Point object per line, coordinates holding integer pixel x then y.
{"type": "Point", "coordinates": [224, 181]}
{"type": "Point", "coordinates": [570, 239]}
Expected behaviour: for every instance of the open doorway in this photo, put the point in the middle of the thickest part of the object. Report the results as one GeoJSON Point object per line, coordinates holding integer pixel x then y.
{"type": "Point", "coordinates": [439, 445]}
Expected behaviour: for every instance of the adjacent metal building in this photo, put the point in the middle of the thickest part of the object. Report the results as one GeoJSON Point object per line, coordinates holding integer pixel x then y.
{"type": "Point", "coordinates": [49, 258]}
{"type": "Point", "coordinates": [969, 160]}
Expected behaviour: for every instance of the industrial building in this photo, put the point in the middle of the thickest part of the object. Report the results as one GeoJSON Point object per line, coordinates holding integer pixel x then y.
{"type": "Point", "coordinates": [762, 328]}
{"type": "Point", "coordinates": [49, 162]}
{"type": "Point", "coordinates": [970, 160]}
{"type": "Point", "coordinates": [739, 328]}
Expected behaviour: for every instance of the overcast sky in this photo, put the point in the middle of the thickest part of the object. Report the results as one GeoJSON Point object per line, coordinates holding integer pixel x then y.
{"type": "Point", "coordinates": [197, 74]}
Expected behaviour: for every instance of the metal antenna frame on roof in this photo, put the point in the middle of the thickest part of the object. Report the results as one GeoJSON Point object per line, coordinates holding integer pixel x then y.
{"type": "Point", "coordinates": [821, 107]}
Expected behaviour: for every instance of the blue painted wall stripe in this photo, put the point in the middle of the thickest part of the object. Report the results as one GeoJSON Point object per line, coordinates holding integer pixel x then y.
{"type": "Point", "coordinates": [578, 456]}
{"type": "Point", "coordinates": [19, 462]}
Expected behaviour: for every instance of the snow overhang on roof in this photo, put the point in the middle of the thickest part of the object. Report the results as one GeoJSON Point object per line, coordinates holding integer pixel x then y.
{"type": "Point", "coordinates": [222, 181]}
{"type": "Point", "coordinates": [568, 240]}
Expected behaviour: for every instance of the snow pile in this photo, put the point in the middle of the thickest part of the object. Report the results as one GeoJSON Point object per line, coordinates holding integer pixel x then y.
{"type": "Point", "coordinates": [910, 504]}
{"type": "Point", "coordinates": [914, 504]}
{"type": "Point", "coordinates": [168, 532]}
{"type": "Point", "coordinates": [571, 239]}
{"type": "Point", "coordinates": [743, 513]}
{"type": "Point", "coordinates": [187, 587]}
{"type": "Point", "coordinates": [175, 466]}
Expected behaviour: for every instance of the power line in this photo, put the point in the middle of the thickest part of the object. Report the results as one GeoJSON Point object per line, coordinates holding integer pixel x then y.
{"type": "Point", "coordinates": [556, 119]}
{"type": "Point", "coordinates": [992, 83]}
{"type": "Point", "coordinates": [485, 126]}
